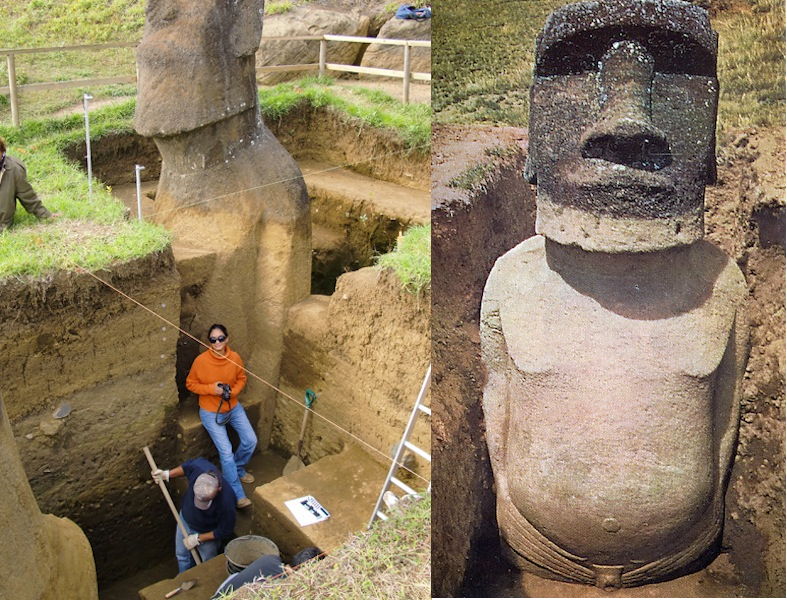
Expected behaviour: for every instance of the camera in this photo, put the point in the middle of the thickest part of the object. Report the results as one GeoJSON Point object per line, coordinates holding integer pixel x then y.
{"type": "Point", "coordinates": [225, 394]}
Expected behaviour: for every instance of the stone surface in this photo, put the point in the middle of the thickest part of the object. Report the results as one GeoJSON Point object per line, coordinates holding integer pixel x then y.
{"type": "Point", "coordinates": [42, 557]}
{"type": "Point", "coordinates": [643, 357]}
{"type": "Point", "coordinates": [302, 22]}
{"type": "Point", "coordinates": [627, 171]}
{"type": "Point", "coordinates": [616, 342]}
{"type": "Point", "coordinates": [384, 56]}
{"type": "Point", "coordinates": [226, 182]}
{"type": "Point", "coordinates": [346, 484]}
{"type": "Point", "coordinates": [749, 191]}
{"type": "Point", "coordinates": [196, 64]}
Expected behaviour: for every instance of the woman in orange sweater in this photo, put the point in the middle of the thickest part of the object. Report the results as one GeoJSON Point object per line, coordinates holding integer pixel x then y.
{"type": "Point", "coordinates": [217, 376]}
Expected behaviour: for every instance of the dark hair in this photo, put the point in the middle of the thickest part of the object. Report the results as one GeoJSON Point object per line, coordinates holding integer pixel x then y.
{"type": "Point", "coordinates": [305, 555]}
{"type": "Point", "coordinates": [2, 145]}
{"type": "Point", "coordinates": [218, 326]}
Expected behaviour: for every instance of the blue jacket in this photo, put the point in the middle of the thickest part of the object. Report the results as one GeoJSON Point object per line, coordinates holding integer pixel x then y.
{"type": "Point", "coordinates": [219, 517]}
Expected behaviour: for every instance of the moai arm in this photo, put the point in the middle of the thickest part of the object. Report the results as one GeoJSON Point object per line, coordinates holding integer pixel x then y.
{"type": "Point", "coordinates": [728, 389]}
{"type": "Point", "coordinates": [495, 401]}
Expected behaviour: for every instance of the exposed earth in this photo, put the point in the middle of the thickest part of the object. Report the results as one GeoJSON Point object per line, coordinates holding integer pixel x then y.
{"type": "Point", "coordinates": [368, 349]}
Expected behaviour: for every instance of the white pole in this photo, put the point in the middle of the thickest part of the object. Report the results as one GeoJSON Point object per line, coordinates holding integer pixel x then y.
{"type": "Point", "coordinates": [137, 169]}
{"type": "Point", "coordinates": [87, 97]}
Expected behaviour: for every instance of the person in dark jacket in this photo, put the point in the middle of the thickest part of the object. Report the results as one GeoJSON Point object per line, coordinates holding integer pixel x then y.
{"type": "Point", "coordinates": [208, 511]}
{"type": "Point", "coordinates": [268, 566]}
{"type": "Point", "coordinates": [14, 186]}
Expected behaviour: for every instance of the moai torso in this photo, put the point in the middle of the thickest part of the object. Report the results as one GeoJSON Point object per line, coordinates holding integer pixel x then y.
{"type": "Point", "coordinates": [615, 342]}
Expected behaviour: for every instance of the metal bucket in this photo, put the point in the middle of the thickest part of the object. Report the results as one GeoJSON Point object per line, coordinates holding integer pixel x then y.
{"type": "Point", "coordinates": [244, 550]}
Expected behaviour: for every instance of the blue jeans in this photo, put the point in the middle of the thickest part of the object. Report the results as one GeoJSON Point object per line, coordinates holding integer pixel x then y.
{"type": "Point", "coordinates": [232, 464]}
{"type": "Point", "coordinates": [207, 550]}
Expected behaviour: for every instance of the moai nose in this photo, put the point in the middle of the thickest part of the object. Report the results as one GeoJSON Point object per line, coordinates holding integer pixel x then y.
{"type": "Point", "coordinates": [624, 133]}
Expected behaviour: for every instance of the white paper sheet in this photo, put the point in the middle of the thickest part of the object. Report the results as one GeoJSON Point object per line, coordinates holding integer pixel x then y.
{"type": "Point", "coordinates": [307, 510]}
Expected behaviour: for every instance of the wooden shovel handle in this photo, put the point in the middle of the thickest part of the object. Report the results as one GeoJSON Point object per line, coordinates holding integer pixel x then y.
{"type": "Point", "coordinates": [168, 498]}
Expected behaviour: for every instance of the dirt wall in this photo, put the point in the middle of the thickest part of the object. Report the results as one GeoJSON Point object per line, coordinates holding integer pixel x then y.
{"type": "Point", "coordinates": [364, 351]}
{"type": "Point", "coordinates": [744, 215]}
{"type": "Point", "coordinates": [328, 134]}
{"type": "Point", "coordinates": [70, 340]}
{"type": "Point", "coordinates": [306, 131]}
{"type": "Point", "coordinates": [471, 227]}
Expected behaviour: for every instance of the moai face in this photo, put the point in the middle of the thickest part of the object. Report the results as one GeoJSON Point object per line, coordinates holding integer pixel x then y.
{"type": "Point", "coordinates": [622, 126]}
{"type": "Point", "coordinates": [196, 63]}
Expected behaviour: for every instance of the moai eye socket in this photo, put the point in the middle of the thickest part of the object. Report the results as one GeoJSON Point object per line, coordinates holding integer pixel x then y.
{"type": "Point", "coordinates": [672, 52]}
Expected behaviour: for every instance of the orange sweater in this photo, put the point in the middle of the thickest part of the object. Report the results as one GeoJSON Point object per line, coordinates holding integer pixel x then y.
{"type": "Point", "coordinates": [207, 369]}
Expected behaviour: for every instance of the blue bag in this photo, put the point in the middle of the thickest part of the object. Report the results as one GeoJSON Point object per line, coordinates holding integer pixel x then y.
{"type": "Point", "coordinates": [411, 12]}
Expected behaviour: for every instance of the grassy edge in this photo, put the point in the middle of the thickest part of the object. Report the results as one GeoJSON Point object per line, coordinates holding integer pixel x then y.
{"type": "Point", "coordinates": [95, 233]}
{"type": "Point", "coordinates": [392, 560]}
{"type": "Point", "coordinates": [411, 260]}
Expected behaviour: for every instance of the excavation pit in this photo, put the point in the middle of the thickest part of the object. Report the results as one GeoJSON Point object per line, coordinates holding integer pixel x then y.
{"type": "Point", "coordinates": [366, 187]}
{"type": "Point", "coordinates": [121, 368]}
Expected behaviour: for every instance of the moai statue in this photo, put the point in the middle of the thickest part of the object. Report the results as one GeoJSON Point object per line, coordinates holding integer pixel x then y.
{"type": "Point", "coordinates": [42, 557]}
{"type": "Point", "coordinates": [615, 341]}
{"type": "Point", "coordinates": [227, 185]}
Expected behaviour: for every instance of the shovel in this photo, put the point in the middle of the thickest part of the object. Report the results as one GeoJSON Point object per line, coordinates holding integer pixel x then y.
{"type": "Point", "coordinates": [295, 463]}
{"type": "Point", "coordinates": [186, 585]}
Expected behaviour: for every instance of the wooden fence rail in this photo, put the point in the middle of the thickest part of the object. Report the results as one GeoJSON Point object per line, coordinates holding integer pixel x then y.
{"type": "Point", "coordinates": [13, 88]}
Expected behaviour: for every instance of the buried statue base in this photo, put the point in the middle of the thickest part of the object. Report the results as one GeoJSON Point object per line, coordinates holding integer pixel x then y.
{"type": "Point", "coordinates": [615, 341]}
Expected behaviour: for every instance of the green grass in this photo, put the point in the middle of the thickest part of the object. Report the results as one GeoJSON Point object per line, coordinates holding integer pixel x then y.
{"type": "Point", "coordinates": [482, 59]}
{"type": "Point", "coordinates": [392, 561]}
{"type": "Point", "coordinates": [278, 8]}
{"type": "Point", "coordinates": [375, 108]}
{"type": "Point", "coordinates": [89, 233]}
{"type": "Point", "coordinates": [53, 23]}
{"type": "Point", "coordinates": [411, 260]}
{"type": "Point", "coordinates": [93, 234]}
{"type": "Point", "coordinates": [752, 66]}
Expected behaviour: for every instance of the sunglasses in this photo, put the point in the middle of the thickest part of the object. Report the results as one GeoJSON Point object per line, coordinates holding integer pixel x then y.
{"type": "Point", "coordinates": [213, 340]}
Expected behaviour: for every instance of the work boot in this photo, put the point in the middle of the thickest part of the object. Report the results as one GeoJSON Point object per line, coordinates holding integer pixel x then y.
{"type": "Point", "coordinates": [247, 478]}
{"type": "Point", "coordinates": [243, 503]}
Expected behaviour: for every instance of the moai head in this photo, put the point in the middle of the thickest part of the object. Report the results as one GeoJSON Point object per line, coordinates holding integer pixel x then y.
{"type": "Point", "coordinates": [207, 46]}
{"type": "Point", "coordinates": [622, 125]}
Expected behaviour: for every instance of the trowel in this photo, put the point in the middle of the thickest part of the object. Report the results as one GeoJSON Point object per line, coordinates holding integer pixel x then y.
{"type": "Point", "coordinates": [186, 585]}
{"type": "Point", "coordinates": [295, 463]}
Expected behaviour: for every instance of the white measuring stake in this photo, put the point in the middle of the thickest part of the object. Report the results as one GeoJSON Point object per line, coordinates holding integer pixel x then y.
{"type": "Point", "coordinates": [137, 169]}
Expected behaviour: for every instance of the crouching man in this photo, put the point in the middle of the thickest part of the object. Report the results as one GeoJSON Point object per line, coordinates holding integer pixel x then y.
{"type": "Point", "coordinates": [208, 511]}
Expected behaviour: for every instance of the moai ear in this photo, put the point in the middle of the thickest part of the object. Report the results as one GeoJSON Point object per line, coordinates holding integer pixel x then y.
{"type": "Point", "coordinates": [530, 170]}
{"type": "Point", "coordinates": [246, 26]}
{"type": "Point", "coordinates": [711, 178]}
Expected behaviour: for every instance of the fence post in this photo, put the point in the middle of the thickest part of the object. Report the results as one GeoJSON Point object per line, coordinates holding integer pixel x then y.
{"type": "Point", "coordinates": [406, 90]}
{"type": "Point", "coordinates": [12, 90]}
{"type": "Point", "coordinates": [323, 55]}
